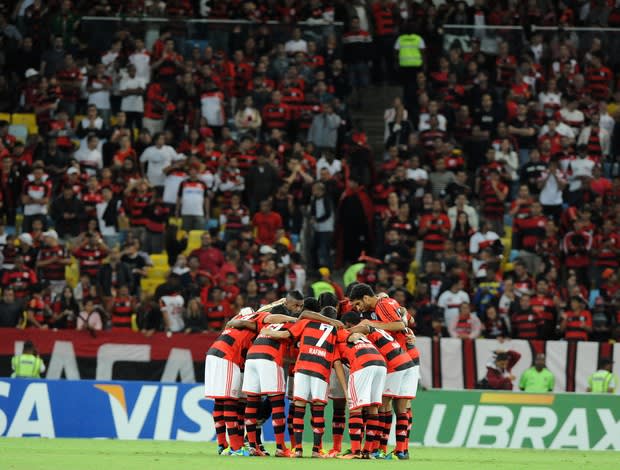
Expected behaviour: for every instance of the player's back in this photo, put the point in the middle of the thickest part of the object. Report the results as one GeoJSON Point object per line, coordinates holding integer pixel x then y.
{"type": "Point", "coordinates": [267, 348]}
{"type": "Point", "coordinates": [317, 348]}
{"type": "Point", "coordinates": [360, 353]}
{"type": "Point", "coordinates": [231, 345]}
{"type": "Point", "coordinates": [395, 357]}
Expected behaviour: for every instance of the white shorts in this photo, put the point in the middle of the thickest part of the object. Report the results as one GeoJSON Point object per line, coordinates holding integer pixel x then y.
{"type": "Point", "coordinates": [310, 389]}
{"type": "Point", "coordinates": [335, 389]}
{"type": "Point", "coordinates": [366, 387]}
{"type": "Point", "coordinates": [402, 383]}
{"type": "Point", "coordinates": [263, 377]}
{"type": "Point", "coordinates": [223, 378]}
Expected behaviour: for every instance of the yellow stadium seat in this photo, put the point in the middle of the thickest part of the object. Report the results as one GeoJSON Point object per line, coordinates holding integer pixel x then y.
{"type": "Point", "coordinates": [78, 118]}
{"type": "Point", "coordinates": [5, 117]}
{"type": "Point", "coordinates": [411, 282]}
{"type": "Point", "coordinates": [113, 121]}
{"type": "Point", "coordinates": [175, 221]}
{"type": "Point", "coordinates": [194, 240]}
{"type": "Point", "coordinates": [160, 261]}
{"type": "Point", "coordinates": [72, 273]}
{"type": "Point", "coordinates": [149, 285]}
{"type": "Point", "coordinates": [26, 119]}
{"type": "Point", "coordinates": [158, 272]}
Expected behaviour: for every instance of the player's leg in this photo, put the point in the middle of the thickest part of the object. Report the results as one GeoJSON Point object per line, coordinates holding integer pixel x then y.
{"type": "Point", "coordinates": [298, 426]}
{"type": "Point", "coordinates": [251, 419]}
{"type": "Point", "coordinates": [220, 424]}
{"type": "Point", "coordinates": [231, 417]}
{"type": "Point", "coordinates": [338, 424]}
{"type": "Point", "coordinates": [402, 425]}
{"type": "Point", "coordinates": [373, 430]}
{"type": "Point", "coordinates": [384, 425]}
{"type": "Point", "coordinates": [318, 427]}
{"type": "Point", "coordinates": [279, 420]}
{"type": "Point", "coordinates": [356, 425]}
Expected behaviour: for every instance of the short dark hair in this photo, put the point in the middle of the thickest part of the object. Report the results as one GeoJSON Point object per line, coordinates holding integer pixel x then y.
{"type": "Point", "coordinates": [347, 291]}
{"type": "Point", "coordinates": [359, 291]}
{"type": "Point", "coordinates": [329, 312]}
{"type": "Point", "coordinates": [310, 303]}
{"type": "Point", "coordinates": [351, 317]}
{"type": "Point", "coordinates": [327, 299]}
{"type": "Point", "coordinates": [295, 295]}
{"type": "Point", "coordinates": [279, 310]}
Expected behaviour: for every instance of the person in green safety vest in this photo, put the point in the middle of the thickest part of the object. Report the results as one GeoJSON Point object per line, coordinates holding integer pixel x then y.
{"type": "Point", "coordinates": [603, 380]}
{"type": "Point", "coordinates": [409, 48]}
{"type": "Point", "coordinates": [537, 379]}
{"type": "Point", "coordinates": [28, 364]}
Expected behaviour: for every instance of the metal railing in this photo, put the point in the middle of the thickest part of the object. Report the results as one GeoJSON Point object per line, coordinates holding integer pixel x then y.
{"type": "Point", "coordinates": [99, 31]}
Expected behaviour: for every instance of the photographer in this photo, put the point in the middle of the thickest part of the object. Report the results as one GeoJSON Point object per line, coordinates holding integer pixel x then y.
{"type": "Point", "coordinates": [499, 367]}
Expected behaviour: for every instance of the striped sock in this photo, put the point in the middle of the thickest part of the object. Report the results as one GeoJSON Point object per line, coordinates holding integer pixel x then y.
{"type": "Point", "coordinates": [373, 432]}
{"type": "Point", "coordinates": [232, 424]}
{"type": "Point", "coordinates": [386, 422]}
{"type": "Point", "coordinates": [298, 425]}
{"type": "Point", "coordinates": [401, 431]}
{"type": "Point", "coordinates": [278, 419]}
{"type": "Point", "coordinates": [338, 425]}
{"type": "Point", "coordinates": [220, 423]}
{"type": "Point", "coordinates": [251, 418]}
{"type": "Point", "coordinates": [241, 417]}
{"type": "Point", "coordinates": [356, 423]}
{"type": "Point", "coordinates": [289, 423]}
{"type": "Point", "coordinates": [409, 426]}
{"type": "Point", "coordinates": [318, 426]}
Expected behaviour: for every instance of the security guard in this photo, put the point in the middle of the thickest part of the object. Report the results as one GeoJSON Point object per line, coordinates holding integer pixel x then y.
{"type": "Point", "coordinates": [603, 380]}
{"type": "Point", "coordinates": [410, 48]}
{"type": "Point", "coordinates": [28, 364]}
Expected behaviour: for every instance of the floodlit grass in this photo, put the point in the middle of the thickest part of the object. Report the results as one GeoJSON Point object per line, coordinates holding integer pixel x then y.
{"type": "Point", "coordinates": [78, 454]}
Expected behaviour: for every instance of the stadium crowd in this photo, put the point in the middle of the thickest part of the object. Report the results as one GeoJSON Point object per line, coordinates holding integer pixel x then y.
{"type": "Point", "coordinates": [493, 211]}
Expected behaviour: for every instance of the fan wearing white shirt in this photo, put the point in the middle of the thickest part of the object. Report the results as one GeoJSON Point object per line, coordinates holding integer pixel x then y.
{"type": "Point", "coordinates": [328, 160]}
{"type": "Point", "coordinates": [193, 201]}
{"type": "Point", "coordinates": [425, 118]}
{"type": "Point", "coordinates": [132, 88]}
{"type": "Point", "coordinates": [296, 43]}
{"type": "Point", "coordinates": [141, 59]}
{"type": "Point", "coordinates": [90, 157]}
{"type": "Point", "coordinates": [156, 158]}
{"type": "Point", "coordinates": [450, 300]}
{"type": "Point", "coordinates": [98, 88]}
{"type": "Point", "coordinates": [581, 171]}
{"type": "Point", "coordinates": [172, 307]}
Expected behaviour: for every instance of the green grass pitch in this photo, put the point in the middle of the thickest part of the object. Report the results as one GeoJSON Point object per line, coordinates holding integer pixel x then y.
{"type": "Point", "coordinates": [78, 454]}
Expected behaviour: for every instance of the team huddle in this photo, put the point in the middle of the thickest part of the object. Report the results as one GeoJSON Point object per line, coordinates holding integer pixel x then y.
{"type": "Point", "coordinates": [298, 348]}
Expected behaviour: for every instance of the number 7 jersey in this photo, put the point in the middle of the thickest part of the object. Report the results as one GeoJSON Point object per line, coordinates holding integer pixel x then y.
{"type": "Point", "coordinates": [317, 347]}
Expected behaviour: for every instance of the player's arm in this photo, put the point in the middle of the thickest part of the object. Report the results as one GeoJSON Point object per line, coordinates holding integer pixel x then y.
{"type": "Point", "coordinates": [359, 328]}
{"type": "Point", "coordinates": [279, 318]}
{"type": "Point", "coordinates": [241, 325]}
{"type": "Point", "coordinates": [310, 315]}
{"type": "Point", "coordinates": [387, 326]}
{"type": "Point", "coordinates": [275, 334]}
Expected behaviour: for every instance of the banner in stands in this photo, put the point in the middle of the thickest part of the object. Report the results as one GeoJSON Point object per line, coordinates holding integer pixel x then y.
{"type": "Point", "coordinates": [138, 410]}
{"type": "Point", "coordinates": [111, 355]}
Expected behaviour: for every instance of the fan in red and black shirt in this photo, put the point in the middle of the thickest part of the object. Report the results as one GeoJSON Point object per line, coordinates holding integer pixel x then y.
{"type": "Point", "coordinates": [599, 78]}
{"type": "Point", "coordinates": [577, 246]}
{"type": "Point", "coordinates": [435, 230]}
{"type": "Point", "coordinates": [493, 195]}
{"type": "Point", "coordinates": [544, 306]}
{"type": "Point", "coordinates": [577, 322]}
{"type": "Point", "coordinates": [526, 323]}
{"type": "Point", "coordinates": [70, 79]}
{"type": "Point", "coordinates": [607, 246]}
{"type": "Point", "coordinates": [21, 278]}
{"type": "Point", "coordinates": [123, 307]}
{"type": "Point", "coordinates": [90, 254]}
{"type": "Point", "coordinates": [276, 115]}
{"type": "Point", "coordinates": [52, 260]}
{"type": "Point", "coordinates": [138, 196]}
{"type": "Point", "coordinates": [530, 229]}
{"type": "Point", "coordinates": [506, 65]}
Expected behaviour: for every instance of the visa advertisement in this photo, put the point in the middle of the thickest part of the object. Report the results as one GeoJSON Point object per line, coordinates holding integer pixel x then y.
{"type": "Point", "coordinates": [152, 410]}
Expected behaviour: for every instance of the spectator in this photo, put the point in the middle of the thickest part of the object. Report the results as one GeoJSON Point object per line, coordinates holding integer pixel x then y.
{"type": "Point", "coordinates": [266, 222]}
{"type": "Point", "coordinates": [122, 309]}
{"type": "Point", "coordinates": [537, 379]}
{"type": "Point", "coordinates": [65, 310]}
{"type": "Point", "coordinates": [193, 201]}
{"type": "Point", "coordinates": [466, 325]}
{"type": "Point", "coordinates": [132, 87]}
{"type": "Point", "coordinates": [67, 211]}
{"type": "Point", "coordinates": [494, 326]}
{"type": "Point", "coordinates": [194, 318]}
{"type": "Point", "coordinates": [210, 257]}
{"type": "Point", "coordinates": [52, 260]}
{"type": "Point", "coordinates": [156, 158]}
{"type": "Point", "coordinates": [262, 181]}
{"type": "Point", "coordinates": [324, 129]}
{"type": "Point", "coordinates": [323, 214]}
{"type": "Point", "coordinates": [20, 278]}
{"type": "Point", "coordinates": [35, 196]}
{"type": "Point", "coordinates": [603, 380]}
{"type": "Point", "coordinates": [451, 300]}
{"type": "Point", "coordinates": [499, 370]}
{"type": "Point", "coordinates": [10, 309]}
{"type": "Point", "coordinates": [172, 308]}
{"type": "Point", "coordinates": [90, 318]}
{"type": "Point", "coordinates": [576, 323]}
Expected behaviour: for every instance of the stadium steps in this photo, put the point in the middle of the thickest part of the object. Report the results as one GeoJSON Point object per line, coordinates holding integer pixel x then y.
{"type": "Point", "coordinates": [376, 100]}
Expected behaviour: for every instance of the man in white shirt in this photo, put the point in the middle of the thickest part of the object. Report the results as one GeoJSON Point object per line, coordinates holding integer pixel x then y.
{"type": "Point", "coordinates": [132, 89]}
{"type": "Point", "coordinates": [109, 57]}
{"type": "Point", "coordinates": [172, 307]}
{"type": "Point", "coordinates": [328, 160]}
{"type": "Point", "coordinates": [572, 117]}
{"type": "Point", "coordinates": [581, 171]}
{"type": "Point", "coordinates": [425, 118]}
{"type": "Point", "coordinates": [462, 206]}
{"type": "Point", "coordinates": [296, 43]}
{"type": "Point", "coordinates": [157, 157]}
{"type": "Point", "coordinates": [106, 227]}
{"type": "Point", "coordinates": [90, 157]}
{"type": "Point", "coordinates": [193, 201]}
{"type": "Point", "coordinates": [482, 239]}
{"type": "Point", "coordinates": [141, 59]}
{"type": "Point", "coordinates": [450, 301]}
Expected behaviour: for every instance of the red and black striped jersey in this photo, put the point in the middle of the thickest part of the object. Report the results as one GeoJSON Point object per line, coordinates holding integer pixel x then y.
{"type": "Point", "coordinates": [36, 305]}
{"type": "Point", "coordinates": [270, 349]}
{"type": "Point", "coordinates": [576, 324]}
{"type": "Point", "coordinates": [136, 207]}
{"type": "Point", "coordinates": [232, 345]}
{"type": "Point", "coordinates": [90, 259]}
{"type": "Point", "coordinates": [317, 347]}
{"type": "Point", "coordinates": [276, 116]}
{"type": "Point", "coordinates": [395, 356]}
{"type": "Point", "coordinates": [21, 280]}
{"type": "Point", "coordinates": [122, 309]}
{"type": "Point", "coordinates": [362, 353]}
{"type": "Point", "coordinates": [54, 271]}
{"type": "Point", "coordinates": [526, 324]}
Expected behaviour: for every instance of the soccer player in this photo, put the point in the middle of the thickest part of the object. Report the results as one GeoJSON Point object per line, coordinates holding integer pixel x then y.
{"type": "Point", "coordinates": [223, 378]}
{"type": "Point", "coordinates": [400, 385]}
{"type": "Point", "coordinates": [317, 346]}
{"type": "Point", "coordinates": [365, 386]}
{"type": "Point", "coordinates": [389, 318]}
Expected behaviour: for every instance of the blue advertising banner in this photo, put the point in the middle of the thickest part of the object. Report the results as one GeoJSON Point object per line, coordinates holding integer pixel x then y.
{"type": "Point", "coordinates": [90, 409]}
